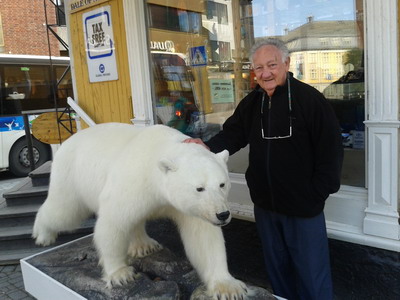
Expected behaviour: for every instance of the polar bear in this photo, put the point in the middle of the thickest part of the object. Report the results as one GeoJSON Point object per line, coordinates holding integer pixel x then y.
{"type": "Point", "coordinates": [126, 176]}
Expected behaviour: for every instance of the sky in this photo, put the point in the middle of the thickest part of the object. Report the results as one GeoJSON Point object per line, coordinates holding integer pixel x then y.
{"type": "Point", "coordinates": [271, 17]}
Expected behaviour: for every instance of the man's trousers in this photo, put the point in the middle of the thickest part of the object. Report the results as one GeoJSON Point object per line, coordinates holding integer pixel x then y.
{"type": "Point", "coordinates": [296, 255]}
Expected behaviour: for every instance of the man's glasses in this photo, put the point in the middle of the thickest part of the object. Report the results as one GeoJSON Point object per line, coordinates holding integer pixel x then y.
{"type": "Point", "coordinates": [290, 117]}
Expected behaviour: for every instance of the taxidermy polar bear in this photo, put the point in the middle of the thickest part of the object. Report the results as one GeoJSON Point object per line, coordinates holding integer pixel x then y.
{"type": "Point", "coordinates": [127, 175]}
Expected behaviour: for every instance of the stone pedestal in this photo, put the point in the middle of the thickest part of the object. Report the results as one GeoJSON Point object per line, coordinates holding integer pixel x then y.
{"type": "Point", "coordinates": [72, 270]}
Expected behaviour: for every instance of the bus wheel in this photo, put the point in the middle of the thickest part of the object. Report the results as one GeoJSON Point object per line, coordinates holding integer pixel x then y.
{"type": "Point", "coordinates": [19, 159]}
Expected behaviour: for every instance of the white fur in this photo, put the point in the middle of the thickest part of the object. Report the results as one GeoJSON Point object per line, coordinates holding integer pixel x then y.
{"type": "Point", "coordinates": [127, 175]}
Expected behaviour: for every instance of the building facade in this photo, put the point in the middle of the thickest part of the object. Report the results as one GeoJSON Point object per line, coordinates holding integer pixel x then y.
{"type": "Point", "coordinates": [23, 28]}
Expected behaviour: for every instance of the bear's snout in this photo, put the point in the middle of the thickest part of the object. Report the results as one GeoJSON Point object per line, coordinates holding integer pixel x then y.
{"type": "Point", "coordinates": [223, 216]}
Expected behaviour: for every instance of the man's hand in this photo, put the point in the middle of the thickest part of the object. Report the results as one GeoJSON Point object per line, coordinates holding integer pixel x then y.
{"type": "Point", "coordinates": [196, 141]}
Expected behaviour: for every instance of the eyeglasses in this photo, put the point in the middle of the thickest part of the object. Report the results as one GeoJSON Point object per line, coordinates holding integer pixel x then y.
{"type": "Point", "coordinates": [290, 117]}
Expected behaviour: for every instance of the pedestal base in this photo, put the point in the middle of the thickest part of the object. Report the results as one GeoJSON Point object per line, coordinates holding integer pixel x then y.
{"type": "Point", "coordinates": [71, 272]}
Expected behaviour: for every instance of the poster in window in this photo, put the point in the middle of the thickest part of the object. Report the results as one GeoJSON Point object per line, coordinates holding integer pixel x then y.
{"type": "Point", "coordinates": [221, 90]}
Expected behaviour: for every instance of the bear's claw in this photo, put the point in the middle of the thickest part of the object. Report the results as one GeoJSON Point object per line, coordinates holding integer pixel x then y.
{"type": "Point", "coordinates": [143, 249]}
{"type": "Point", "coordinates": [229, 290]}
{"type": "Point", "coordinates": [121, 277]}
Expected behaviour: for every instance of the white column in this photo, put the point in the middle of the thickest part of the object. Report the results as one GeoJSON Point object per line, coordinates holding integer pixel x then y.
{"type": "Point", "coordinates": [138, 58]}
{"type": "Point", "coordinates": [382, 212]}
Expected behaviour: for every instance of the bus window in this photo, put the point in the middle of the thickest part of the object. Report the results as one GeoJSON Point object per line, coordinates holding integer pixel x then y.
{"type": "Point", "coordinates": [65, 83]}
{"type": "Point", "coordinates": [25, 85]}
{"type": "Point", "coordinates": [31, 81]}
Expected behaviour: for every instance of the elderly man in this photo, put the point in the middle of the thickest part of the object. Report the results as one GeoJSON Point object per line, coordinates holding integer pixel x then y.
{"type": "Point", "coordinates": [295, 162]}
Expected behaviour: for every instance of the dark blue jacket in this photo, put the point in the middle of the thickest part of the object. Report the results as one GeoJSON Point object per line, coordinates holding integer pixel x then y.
{"type": "Point", "coordinates": [292, 176]}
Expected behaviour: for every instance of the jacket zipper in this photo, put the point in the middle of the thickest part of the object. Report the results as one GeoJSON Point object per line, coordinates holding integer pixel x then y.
{"type": "Point", "coordinates": [268, 158]}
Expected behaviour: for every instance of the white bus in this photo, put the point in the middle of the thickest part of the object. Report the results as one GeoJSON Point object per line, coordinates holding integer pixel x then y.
{"type": "Point", "coordinates": [26, 86]}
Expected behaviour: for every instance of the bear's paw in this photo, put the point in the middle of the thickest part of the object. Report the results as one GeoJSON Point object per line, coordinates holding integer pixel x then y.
{"type": "Point", "coordinates": [44, 237]}
{"type": "Point", "coordinates": [143, 248]}
{"type": "Point", "coordinates": [121, 276]}
{"type": "Point", "coordinates": [230, 289]}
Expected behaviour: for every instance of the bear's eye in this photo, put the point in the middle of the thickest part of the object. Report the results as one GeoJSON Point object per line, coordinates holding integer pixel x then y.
{"type": "Point", "coordinates": [222, 185]}
{"type": "Point", "coordinates": [200, 189]}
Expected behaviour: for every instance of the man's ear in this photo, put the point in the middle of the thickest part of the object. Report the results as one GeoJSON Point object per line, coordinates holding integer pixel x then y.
{"type": "Point", "coordinates": [167, 165]}
{"type": "Point", "coordinates": [287, 64]}
{"type": "Point", "coordinates": [224, 155]}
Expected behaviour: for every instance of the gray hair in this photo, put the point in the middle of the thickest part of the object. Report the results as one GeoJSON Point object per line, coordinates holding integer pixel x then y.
{"type": "Point", "coordinates": [270, 42]}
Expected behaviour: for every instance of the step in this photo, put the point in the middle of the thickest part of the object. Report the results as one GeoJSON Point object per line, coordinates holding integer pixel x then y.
{"type": "Point", "coordinates": [25, 193]}
{"type": "Point", "coordinates": [12, 255]}
{"type": "Point", "coordinates": [18, 214]}
{"type": "Point", "coordinates": [41, 175]}
{"type": "Point", "coordinates": [23, 233]}
{"type": "Point", "coordinates": [16, 241]}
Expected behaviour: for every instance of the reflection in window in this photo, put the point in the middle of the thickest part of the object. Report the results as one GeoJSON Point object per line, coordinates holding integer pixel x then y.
{"type": "Point", "coordinates": [171, 18]}
{"type": "Point", "coordinates": [313, 74]}
{"type": "Point", "coordinates": [325, 40]}
{"type": "Point", "coordinates": [217, 11]}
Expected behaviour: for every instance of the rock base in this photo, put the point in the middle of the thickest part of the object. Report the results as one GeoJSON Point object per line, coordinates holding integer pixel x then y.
{"type": "Point", "coordinates": [162, 275]}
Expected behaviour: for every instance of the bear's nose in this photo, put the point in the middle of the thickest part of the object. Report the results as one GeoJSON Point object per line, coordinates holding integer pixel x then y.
{"type": "Point", "coordinates": [223, 216]}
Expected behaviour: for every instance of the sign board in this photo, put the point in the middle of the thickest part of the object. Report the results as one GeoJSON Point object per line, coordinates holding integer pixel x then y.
{"type": "Point", "coordinates": [221, 90]}
{"type": "Point", "coordinates": [358, 139]}
{"type": "Point", "coordinates": [99, 42]}
{"type": "Point", "coordinates": [77, 5]}
{"type": "Point", "coordinates": [11, 123]}
{"type": "Point", "coordinates": [198, 56]}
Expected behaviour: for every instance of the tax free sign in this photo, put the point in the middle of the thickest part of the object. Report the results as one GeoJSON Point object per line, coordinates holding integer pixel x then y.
{"type": "Point", "coordinates": [99, 41]}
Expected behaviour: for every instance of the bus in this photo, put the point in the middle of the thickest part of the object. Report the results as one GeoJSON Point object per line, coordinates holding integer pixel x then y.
{"type": "Point", "coordinates": [29, 84]}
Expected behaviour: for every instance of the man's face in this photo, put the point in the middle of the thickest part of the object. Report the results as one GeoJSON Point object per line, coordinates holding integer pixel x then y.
{"type": "Point", "coordinates": [269, 68]}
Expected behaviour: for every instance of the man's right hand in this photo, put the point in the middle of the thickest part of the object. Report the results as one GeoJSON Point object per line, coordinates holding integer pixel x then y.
{"type": "Point", "coordinates": [196, 141]}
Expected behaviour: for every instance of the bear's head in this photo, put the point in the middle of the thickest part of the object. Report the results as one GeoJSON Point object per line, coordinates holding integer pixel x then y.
{"type": "Point", "coordinates": [196, 182]}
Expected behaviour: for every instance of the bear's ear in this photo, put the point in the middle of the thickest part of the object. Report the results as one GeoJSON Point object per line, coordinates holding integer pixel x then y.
{"type": "Point", "coordinates": [224, 155]}
{"type": "Point", "coordinates": [167, 165]}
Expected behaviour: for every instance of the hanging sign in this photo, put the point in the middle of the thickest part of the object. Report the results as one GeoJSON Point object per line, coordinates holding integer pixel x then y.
{"type": "Point", "coordinates": [99, 42]}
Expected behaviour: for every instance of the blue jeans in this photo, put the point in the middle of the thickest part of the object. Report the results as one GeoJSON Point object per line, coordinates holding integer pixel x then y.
{"type": "Point", "coordinates": [296, 255]}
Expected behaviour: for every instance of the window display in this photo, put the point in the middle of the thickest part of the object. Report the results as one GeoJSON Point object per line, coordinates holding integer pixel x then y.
{"type": "Point", "coordinates": [326, 43]}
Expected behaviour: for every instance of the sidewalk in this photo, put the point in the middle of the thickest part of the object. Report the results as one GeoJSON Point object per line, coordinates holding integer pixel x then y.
{"type": "Point", "coordinates": [11, 282]}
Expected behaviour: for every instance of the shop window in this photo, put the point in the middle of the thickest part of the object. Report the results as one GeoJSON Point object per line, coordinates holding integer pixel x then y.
{"type": "Point", "coordinates": [325, 40]}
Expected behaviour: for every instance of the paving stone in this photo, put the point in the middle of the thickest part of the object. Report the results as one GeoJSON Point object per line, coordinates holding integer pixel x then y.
{"type": "Point", "coordinates": [12, 285]}
{"type": "Point", "coordinates": [17, 295]}
{"type": "Point", "coordinates": [8, 269]}
{"type": "Point", "coordinates": [4, 285]}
